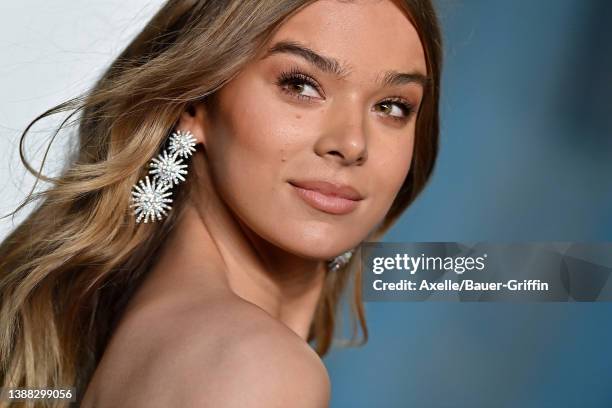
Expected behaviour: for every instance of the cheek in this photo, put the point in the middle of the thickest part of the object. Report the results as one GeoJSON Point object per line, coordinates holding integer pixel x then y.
{"type": "Point", "coordinates": [249, 145]}
{"type": "Point", "coordinates": [256, 136]}
{"type": "Point", "coordinates": [392, 171]}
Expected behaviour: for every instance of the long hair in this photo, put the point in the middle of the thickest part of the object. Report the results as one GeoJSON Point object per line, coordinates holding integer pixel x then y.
{"type": "Point", "coordinates": [68, 270]}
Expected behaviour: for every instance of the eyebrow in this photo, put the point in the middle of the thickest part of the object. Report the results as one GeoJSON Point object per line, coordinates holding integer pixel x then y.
{"type": "Point", "coordinates": [333, 66]}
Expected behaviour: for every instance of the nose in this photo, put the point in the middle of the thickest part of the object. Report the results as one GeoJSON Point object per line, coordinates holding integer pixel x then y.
{"type": "Point", "coordinates": [344, 138]}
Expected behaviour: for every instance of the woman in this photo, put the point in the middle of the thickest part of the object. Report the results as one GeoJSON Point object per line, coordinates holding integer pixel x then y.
{"type": "Point", "coordinates": [309, 128]}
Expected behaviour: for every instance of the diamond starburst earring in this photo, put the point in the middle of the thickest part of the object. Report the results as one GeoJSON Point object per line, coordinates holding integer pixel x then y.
{"type": "Point", "coordinates": [150, 198]}
{"type": "Point", "coordinates": [182, 144]}
{"type": "Point", "coordinates": [340, 261]}
{"type": "Point", "coordinates": [168, 169]}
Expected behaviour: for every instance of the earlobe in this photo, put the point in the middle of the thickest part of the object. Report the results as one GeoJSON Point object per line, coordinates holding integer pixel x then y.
{"type": "Point", "coordinates": [193, 119]}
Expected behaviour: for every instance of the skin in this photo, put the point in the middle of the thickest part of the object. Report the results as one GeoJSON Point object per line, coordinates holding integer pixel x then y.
{"type": "Point", "coordinates": [223, 317]}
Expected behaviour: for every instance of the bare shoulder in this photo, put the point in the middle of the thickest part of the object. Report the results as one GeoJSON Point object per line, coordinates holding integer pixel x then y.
{"type": "Point", "coordinates": [259, 363]}
{"type": "Point", "coordinates": [227, 353]}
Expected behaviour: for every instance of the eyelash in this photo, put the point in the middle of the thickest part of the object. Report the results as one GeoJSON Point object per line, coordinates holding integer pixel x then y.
{"type": "Point", "coordinates": [295, 76]}
{"type": "Point", "coordinates": [406, 107]}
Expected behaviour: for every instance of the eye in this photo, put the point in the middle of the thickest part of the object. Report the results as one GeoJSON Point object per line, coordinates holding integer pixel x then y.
{"type": "Point", "coordinates": [397, 108]}
{"type": "Point", "coordinates": [299, 85]}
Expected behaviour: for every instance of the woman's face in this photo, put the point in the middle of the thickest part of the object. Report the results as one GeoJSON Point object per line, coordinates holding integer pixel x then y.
{"type": "Point", "coordinates": [333, 100]}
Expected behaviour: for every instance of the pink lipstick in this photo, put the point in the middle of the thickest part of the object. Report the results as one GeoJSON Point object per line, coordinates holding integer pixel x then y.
{"type": "Point", "coordinates": [328, 197]}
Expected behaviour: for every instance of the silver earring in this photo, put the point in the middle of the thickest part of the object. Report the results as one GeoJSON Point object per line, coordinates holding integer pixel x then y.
{"type": "Point", "coordinates": [150, 197]}
{"type": "Point", "coordinates": [340, 261]}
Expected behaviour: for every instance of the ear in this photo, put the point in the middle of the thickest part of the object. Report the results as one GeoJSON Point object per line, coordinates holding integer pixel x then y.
{"type": "Point", "coordinates": [194, 118]}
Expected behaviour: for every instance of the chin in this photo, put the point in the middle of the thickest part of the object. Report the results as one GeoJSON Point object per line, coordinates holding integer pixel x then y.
{"type": "Point", "coordinates": [319, 243]}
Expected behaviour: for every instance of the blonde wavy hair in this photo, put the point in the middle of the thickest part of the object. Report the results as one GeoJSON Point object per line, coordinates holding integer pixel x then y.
{"type": "Point", "coordinates": [68, 270]}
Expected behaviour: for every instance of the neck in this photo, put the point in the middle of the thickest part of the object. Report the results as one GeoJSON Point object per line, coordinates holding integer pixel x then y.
{"type": "Point", "coordinates": [211, 241]}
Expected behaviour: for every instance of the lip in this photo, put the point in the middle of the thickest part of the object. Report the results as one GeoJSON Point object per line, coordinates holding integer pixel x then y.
{"type": "Point", "coordinates": [328, 197]}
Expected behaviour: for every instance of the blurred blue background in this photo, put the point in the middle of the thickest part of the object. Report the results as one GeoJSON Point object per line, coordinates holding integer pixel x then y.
{"type": "Point", "coordinates": [526, 155]}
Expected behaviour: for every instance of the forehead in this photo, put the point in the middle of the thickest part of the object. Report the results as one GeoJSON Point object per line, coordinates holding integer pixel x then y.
{"type": "Point", "coordinates": [367, 36]}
